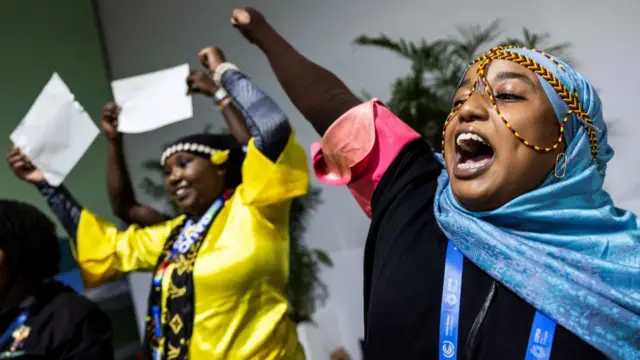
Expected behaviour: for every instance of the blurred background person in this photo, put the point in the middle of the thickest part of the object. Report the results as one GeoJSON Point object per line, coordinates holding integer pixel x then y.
{"type": "Point", "coordinates": [41, 318]}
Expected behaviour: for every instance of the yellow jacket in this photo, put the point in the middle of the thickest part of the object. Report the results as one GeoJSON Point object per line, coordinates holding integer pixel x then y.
{"type": "Point", "coordinates": [241, 268]}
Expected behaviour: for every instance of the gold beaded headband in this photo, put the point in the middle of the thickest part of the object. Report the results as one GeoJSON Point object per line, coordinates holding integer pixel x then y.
{"type": "Point", "coordinates": [571, 99]}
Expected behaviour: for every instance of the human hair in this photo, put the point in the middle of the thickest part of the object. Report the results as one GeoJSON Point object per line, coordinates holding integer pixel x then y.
{"type": "Point", "coordinates": [233, 165]}
{"type": "Point", "coordinates": [29, 241]}
{"type": "Point", "coordinates": [202, 144]}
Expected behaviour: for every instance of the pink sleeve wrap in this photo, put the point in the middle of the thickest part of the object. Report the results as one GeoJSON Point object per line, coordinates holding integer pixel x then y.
{"type": "Point", "coordinates": [359, 147]}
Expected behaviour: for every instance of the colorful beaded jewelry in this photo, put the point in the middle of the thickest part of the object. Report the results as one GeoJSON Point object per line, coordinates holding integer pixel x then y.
{"type": "Point", "coordinates": [571, 99]}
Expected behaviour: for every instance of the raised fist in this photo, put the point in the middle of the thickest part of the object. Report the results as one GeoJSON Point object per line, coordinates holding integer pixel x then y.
{"type": "Point", "coordinates": [22, 166]}
{"type": "Point", "coordinates": [109, 120]}
{"type": "Point", "coordinates": [249, 21]}
{"type": "Point", "coordinates": [199, 82]}
{"type": "Point", "coordinates": [211, 57]}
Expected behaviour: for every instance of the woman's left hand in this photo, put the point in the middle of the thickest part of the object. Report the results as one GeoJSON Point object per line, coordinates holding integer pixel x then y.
{"type": "Point", "coordinates": [199, 82]}
{"type": "Point", "coordinates": [210, 57]}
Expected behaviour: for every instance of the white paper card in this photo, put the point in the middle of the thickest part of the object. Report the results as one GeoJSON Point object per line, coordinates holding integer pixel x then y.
{"type": "Point", "coordinates": [55, 132]}
{"type": "Point", "coordinates": [323, 335]}
{"type": "Point", "coordinates": [153, 100]}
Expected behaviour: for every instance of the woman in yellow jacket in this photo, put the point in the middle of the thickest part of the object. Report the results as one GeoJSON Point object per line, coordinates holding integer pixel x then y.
{"type": "Point", "coordinates": [220, 269]}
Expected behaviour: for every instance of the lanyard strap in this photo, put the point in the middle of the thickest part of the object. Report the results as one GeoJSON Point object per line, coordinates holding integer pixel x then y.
{"type": "Point", "coordinates": [541, 337]}
{"type": "Point", "coordinates": [189, 236]}
{"type": "Point", "coordinates": [450, 312]}
{"type": "Point", "coordinates": [19, 321]}
{"type": "Point", "coordinates": [542, 329]}
{"type": "Point", "coordinates": [186, 240]}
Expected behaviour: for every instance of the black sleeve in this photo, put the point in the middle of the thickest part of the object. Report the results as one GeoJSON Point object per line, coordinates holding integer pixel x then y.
{"type": "Point", "coordinates": [266, 122]}
{"type": "Point", "coordinates": [64, 206]}
{"type": "Point", "coordinates": [91, 338]}
{"type": "Point", "coordinates": [414, 170]}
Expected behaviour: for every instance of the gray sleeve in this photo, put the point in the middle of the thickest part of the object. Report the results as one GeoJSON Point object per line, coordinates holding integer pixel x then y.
{"type": "Point", "coordinates": [267, 123]}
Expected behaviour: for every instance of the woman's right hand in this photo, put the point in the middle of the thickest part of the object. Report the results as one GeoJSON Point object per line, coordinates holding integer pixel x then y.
{"type": "Point", "coordinates": [109, 120]}
{"type": "Point", "coordinates": [22, 166]}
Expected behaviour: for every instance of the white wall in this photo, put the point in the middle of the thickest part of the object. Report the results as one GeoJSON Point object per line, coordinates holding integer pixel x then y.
{"type": "Point", "coordinates": [146, 35]}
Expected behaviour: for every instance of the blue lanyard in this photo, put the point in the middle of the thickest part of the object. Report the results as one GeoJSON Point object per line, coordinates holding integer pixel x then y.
{"type": "Point", "coordinates": [542, 329]}
{"type": "Point", "coordinates": [185, 241]}
{"type": "Point", "coordinates": [19, 321]}
{"type": "Point", "coordinates": [188, 238]}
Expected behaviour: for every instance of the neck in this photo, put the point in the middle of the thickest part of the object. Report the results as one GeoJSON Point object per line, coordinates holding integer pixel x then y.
{"type": "Point", "coordinates": [202, 208]}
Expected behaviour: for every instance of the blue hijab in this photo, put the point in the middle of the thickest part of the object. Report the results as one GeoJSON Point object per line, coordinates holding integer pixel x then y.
{"type": "Point", "coordinates": [563, 247]}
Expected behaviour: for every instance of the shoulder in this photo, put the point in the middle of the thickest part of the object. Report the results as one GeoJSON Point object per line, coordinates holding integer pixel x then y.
{"type": "Point", "coordinates": [411, 177]}
{"type": "Point", "coordinates": [66, 305]}
{"type": "Point", "coordinates": [265, 182]}
{"type": "Point", "coordinates": [77, 328]}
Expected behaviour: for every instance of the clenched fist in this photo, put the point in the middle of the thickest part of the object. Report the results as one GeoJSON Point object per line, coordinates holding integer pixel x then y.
{"type": "Point", "coordinates": [211, 57]}
{"type": "Point", "coordinates": [199, 82]}
{"type": "Point", "coordinates": [249, 21]}
{"type": "Point", "coordinates": [109, 120]}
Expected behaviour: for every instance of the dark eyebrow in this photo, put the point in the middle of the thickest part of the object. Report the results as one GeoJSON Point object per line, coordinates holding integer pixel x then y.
{"type": "Point", "coordinates": [508, 75]}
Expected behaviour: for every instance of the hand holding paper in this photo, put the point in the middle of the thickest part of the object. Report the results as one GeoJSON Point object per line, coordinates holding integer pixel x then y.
{"type": "Point", "coordinates": [153, 100]}
{"type": "Point", "coordinates": [55, 132]}
{"type": "Point", "coordinates": [22, 167]}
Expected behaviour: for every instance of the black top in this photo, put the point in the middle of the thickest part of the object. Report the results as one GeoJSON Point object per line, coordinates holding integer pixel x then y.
{"type": "Point", "coordinates": [63, 325]}
{"type": "Point", "coordinates": [404, 271]}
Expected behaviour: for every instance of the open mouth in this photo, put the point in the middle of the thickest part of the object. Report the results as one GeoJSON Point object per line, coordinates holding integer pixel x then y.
{"type": "Point", "coordinates": [474, 155]}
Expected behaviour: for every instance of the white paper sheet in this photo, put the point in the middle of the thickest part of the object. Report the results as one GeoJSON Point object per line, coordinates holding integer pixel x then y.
{"type": "Point", "coordinates": [153, 100]}
{"type": "Point", "coordinates": [323, 335]}
{"type": "Point", "coordinates": [55, 132]}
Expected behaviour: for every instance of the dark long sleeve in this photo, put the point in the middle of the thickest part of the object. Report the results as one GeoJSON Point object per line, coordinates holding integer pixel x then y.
{"type": "Point", "coordinates": [64, 206]}
{"type": "Point", "coordinates": [266, 122]}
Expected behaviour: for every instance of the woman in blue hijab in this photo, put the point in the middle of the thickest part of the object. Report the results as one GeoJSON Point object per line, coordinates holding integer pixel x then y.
{"type": "Point", "coordinates": [505, 246]}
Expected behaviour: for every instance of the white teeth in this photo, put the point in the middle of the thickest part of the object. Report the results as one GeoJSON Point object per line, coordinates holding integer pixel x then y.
{"type": "Point", "coordinates": [469, 136]}
{"type": "Point", "coordinates": [473, 165]}
{"type": "Point", "coordinates": [182, 188]}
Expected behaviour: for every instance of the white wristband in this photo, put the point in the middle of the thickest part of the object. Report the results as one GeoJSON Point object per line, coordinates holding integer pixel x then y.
{"type": "Point", "coordinates": [220, 94]}
{"type": "Point", "coordinates": [221, 69]}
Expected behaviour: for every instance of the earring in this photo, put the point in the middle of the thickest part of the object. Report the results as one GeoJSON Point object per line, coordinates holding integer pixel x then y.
{"type": "Point", "coordinates": [561, 157]}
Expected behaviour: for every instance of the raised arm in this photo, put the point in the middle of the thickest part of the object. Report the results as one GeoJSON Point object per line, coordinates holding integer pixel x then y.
{"type": "Point", "coordinates": [63, 205]}
{"type": "Point", "coordinates": [266, 122]}
{"type": "Point", "coordinates": [359, 140]}
{"type": "Point", "coordinates": [121, 194]}
{"type": "Point", "coordinates": [201, 82]}
{"type": "Point", "coordinates": [248, 111]}
{"type": "Point", "coordinates": [102, 251]}
{"type": "Point", "coordinates": [317, 93]}
{"type": "Point", "coordinates": [275, 167]}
